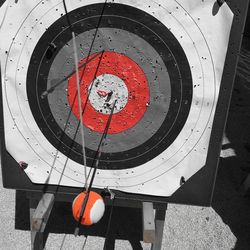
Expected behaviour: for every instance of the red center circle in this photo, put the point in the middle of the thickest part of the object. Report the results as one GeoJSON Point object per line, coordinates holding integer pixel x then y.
{"type": "Point", "coordinates": [130, 73]}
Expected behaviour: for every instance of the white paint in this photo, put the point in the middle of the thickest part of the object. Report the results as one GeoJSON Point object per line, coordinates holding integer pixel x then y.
{"type": "Point", "coordinates": [97, 211]}
{"type": "Point", "coordinates": [112, 85]}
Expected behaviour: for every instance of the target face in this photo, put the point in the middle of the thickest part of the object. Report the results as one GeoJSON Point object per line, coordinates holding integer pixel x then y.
{"type": "Point", "coordinates": [157, 59]}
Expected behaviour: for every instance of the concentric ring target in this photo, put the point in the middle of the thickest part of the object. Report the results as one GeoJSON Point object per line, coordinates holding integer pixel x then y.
{"type": "Point", "coordinates": [169, 104]}
{"type": "Point", "coordinates": [117, 78]}
{"type": "Point", "coordinates": [151, 56]}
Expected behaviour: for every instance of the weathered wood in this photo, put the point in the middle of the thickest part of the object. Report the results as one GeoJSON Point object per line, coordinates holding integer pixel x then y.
{"type": "Point", "coordinates": [39, 215]}
{"type": "Point", "coordinates": [159, 226]}
{"type": "Point", "coordinates": [42, 212]}
{"type": "Point", "coordinates": [148, 222]}
{"type": "Point", "coordinates": [36, 237]}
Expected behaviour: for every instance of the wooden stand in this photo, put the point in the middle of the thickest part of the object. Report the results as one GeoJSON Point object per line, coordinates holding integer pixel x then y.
{"type": "Point", "coordinates": [153, 224]}
{"type": "Point", "coordinates": [153, 220]}
{"type": "Point", "coordinates": [39, 215]}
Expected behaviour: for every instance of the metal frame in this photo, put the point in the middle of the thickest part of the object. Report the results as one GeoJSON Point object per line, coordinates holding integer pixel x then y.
{"type": "Point", "coordinates": [198, 190]}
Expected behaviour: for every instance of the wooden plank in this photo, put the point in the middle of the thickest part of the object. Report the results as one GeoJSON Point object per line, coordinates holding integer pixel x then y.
{"type": "Point", "coordinates": [42, 212]}
{"type": "Point", "coordinates": [148, 222]}
{"type": "Point", "coordinates": [36, 237]}
{"type": "Point", "coordinates": [159, 226]}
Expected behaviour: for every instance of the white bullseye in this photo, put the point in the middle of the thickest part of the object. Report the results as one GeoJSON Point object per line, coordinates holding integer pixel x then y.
{"type": "Point", "coordinates": [107, 88]}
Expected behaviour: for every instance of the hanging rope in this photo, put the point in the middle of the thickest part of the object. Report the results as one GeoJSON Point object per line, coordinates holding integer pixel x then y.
{"type": "Point", "coordinates": [83, 72]}
{"type": "Point", "coordinates": [50, 90]}
{"type": "Point", "coordinates": [94, 166]}
{"type": "Point", "coordinates": [98, 154]}
{"type": "Point", "coordinates": [77, 128]}
{"type": "Point", "coordinates": [81, 110]}
{"type": "Point", "coordinates": [78, 94]}
{"type": "Point", "coordinates": [83, 65]}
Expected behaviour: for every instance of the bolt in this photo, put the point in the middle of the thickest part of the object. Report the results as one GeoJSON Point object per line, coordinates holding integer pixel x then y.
{"type": "Point", "coordinates": [23, 165]}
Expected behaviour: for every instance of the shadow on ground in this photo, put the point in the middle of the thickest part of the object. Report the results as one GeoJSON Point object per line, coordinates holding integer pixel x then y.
{"type": "Point", "coordinates": [232, 207]}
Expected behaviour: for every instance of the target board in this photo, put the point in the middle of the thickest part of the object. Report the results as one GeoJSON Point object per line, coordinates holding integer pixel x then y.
{"type": "Point", "coordinates": [161, 60]}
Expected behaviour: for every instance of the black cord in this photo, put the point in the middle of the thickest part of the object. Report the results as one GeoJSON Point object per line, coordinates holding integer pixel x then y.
{"type": "Point", "coordinates": [94, 166]}
{"type": "Point", "coordinates": [78, 125]}
{"type": "Point", "coordinates": [45, 93]}
{"type": "Point", "coordinates": [92, 43]}
{"type": "Point", "coordinates": [98, 152]}
{"type": "Point", "coordinates": [67, 121]}
{"type": "Point", "coordinates": [51, 89]}
{"type": "Point", "coordinates": [68, 117]}
{"type": "Point", "coordinates": [67, 16]}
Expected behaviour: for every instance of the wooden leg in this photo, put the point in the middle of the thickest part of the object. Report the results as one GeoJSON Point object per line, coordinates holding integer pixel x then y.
{"type": "Point", "coordinates": [36, 237]}
{"type": "Point", "coordinates": [159, 226]}
{"type": "Point", "coordinates": [148, 222]}
{"type": "Point", "coordinates": [39, 215]}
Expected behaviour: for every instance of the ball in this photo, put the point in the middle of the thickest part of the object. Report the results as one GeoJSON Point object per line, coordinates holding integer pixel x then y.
{"type": "Point", "coordinates": [94, 209]}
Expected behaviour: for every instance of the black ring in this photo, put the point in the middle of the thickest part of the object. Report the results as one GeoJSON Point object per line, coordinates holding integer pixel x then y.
{"type": "Point", "coordinates": [155, 33]}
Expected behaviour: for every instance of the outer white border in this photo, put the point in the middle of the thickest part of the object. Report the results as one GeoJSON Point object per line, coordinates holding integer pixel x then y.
{"type": "Point", "coordinates": [204, 39]}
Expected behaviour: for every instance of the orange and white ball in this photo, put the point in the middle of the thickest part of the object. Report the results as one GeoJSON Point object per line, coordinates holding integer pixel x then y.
{"type": "Point", "coordinates": [94, 209]}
